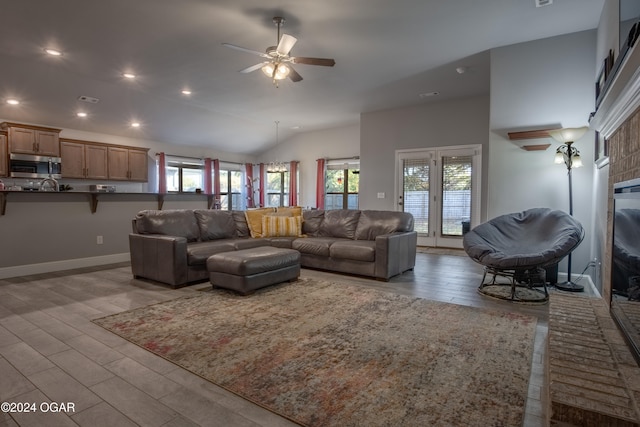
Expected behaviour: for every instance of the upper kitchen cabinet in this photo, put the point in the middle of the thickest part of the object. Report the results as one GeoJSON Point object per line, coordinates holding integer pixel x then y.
{"type": "Point", "coordinates": [81, 159]}
{"type": "Point", "coordinates": [27, 139]}
{"type": "Point", "coordinates": [128, 164]}
{"type": "Point", "coordinates": [4, 170]}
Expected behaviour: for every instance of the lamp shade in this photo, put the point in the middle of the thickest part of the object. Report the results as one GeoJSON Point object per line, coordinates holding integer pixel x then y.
{"type": "Point", "coordinates": [576, 161]}
{"type": "Point", "coordinates": [559, 158]}
{"type": "Point", "coordinates": [568, 134]}
{"type": "Point", "coordinates": [268, 68]}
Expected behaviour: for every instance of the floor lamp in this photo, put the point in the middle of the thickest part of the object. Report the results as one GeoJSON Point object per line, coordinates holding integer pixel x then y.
{"type": "Point", "coordinates": [570, 156]}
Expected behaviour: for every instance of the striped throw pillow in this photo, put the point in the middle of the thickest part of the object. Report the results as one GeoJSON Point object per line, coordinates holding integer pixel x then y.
{"type": "Point", "coordinates": [281, 226]}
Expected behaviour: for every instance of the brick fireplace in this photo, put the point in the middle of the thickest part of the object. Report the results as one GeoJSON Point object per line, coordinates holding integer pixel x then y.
{"type": "Point", "coordinates": [593, 378]}
{"type": "Point", "coordinates": [624, 164]}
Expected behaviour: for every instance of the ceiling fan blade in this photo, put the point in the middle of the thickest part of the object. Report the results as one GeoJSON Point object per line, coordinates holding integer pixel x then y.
{"type": "Point", "coordinates": [243, 49]}
{"type": "Point", "coordinates": [293, 74]}
{"type": "Point", "coordinates": [252, 68]}
{"type": "Point", "coordinates": [286, 44]}
{"type": "Point", "coordinates": [326, 62]}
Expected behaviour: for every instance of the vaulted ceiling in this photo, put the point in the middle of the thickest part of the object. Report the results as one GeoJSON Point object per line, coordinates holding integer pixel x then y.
{"type": "Point", "coordinates": [387, 53]}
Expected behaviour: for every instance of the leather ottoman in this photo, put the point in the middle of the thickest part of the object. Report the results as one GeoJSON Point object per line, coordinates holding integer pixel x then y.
{"type": "Point", "coordinates": [246, 270]}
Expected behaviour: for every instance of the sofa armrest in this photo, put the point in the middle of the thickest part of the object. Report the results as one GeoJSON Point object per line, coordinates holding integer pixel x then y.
{"type": "Point", "coordinates": [395, 253]}
{"type": "Point", "coordinates": [158, 257]}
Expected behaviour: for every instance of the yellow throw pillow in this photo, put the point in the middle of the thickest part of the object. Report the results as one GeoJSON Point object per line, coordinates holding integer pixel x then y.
{"type": "Point", "coordinates": [281, 226]}
{"type": "Point", "coordinates": [254, 220]}
{"type": "Point", "coordinates": [289, 210]}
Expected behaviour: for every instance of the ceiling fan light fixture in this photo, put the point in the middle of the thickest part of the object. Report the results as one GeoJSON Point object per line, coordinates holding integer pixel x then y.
{"type": "Point", "coordinates": [277, 71]}
{"type": "Point", "coordinates": [267, 69]}
{"type": "Point", "coordinates": [282, 71]}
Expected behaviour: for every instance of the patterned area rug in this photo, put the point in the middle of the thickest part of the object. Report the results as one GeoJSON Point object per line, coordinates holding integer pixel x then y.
{"type": "Point", "coordinates": [332, 354]}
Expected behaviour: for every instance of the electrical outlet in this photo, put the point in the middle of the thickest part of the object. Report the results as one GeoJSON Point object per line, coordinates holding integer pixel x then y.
{"type": "Point", "coordinates": [381, 195]}
{"type": "Point", "coordinates": [99, 240]}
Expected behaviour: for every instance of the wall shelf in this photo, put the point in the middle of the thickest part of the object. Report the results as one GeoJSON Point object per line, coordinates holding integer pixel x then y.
{"type": "Point", "coordinates": [531, 134]}
{"type": "Point", "coordinates": [94, 197]}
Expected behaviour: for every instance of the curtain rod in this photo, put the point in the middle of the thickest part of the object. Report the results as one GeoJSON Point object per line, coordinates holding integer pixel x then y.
{"type": "Point", "coordinates": [200, 158]}
{"type": "Point", "coordinates": [343, 158]}
{"type": "Point", "coordinates": [184, 157]}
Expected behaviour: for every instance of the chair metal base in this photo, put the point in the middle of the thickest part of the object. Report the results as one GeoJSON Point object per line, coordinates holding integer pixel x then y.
{"type": "Point", "coordinates": [520, 285]}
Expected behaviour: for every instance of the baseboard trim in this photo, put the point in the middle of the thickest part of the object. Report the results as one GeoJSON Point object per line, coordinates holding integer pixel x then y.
{"type": "Point", "coordinates": [68, 264]}
{"type": "Point", "coordinates": [583, 279]}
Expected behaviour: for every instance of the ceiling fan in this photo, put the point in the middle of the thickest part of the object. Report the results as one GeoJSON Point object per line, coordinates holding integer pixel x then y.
{"type": "Point", "coordinates": [277, 63]}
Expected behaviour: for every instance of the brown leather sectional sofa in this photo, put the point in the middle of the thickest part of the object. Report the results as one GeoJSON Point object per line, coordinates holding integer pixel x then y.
{"type": "Point", "coordinates": [173, 246]}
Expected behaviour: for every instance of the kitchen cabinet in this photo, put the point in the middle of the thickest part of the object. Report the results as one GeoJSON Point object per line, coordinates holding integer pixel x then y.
{"type": "Point", "coordinates": [4, 169]}
{"type": "Point", "coordinates": [26, 139]}
{"type": "Point", "coordinates": [127, 164]}
{"type": "Point", "coordinates": [83, 160]}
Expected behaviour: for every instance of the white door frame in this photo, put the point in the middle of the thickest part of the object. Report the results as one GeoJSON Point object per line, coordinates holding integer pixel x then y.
{"type": "Point", "coordinates": [435, 154]}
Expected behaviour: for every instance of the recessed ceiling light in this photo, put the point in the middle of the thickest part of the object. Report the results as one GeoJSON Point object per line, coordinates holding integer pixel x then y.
{"type": "Point", "coordinates": [296, 127]}
{"type": "Point", "coordinates": [129, 76]}
{"type": "Point", "coordinates": [13, 101]}
{"type": "Point", "coordinates": [81, 114]}
{"type": "Point", "coordinates": [135, 124]}
{"type": "Point", "coordinates": [428, 94]}
{"type": "Point", "coordinates": [186, 92]}
{"type": "Point", "coordinates": [53, 52]}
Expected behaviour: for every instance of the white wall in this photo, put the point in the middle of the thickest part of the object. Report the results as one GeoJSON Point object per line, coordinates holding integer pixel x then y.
{"type": "Point", "coordinates": [535, 85]}
{"type": "Point", "coordinates": [439, 124]}
{"type": "Point", "coordinates": [307, 147]}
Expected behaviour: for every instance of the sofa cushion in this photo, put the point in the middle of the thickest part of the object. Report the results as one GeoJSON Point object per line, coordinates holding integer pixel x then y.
{"type": "Point", "coordinates": [240, 243]}
{"type": "Point", "coordinates": [311, 222]}
{"type": "Point", "coordinates": [198, 252]}
{"type": "Point", "coordinates": [375, 223]}
{"type": "Point", "coordinates": [281, 242]}
{"type": "Point", "coordinates": [254, 220]}
{"type": "Point", "coordinates": [242, 228]}
{"type": "Point", "coordinates": [340, 223]}
{"type": "Point", "coordinates": [313, 246]}
{"type": "Point", "coordinates": [358, 250]}
{"type": "Point", "coordinates": [215, 224]}
{"type": "Point", "coordinates": [289, 210]}
{"type": "Point", "coordinates": [281, 226]}
{"type": "Point", "coordinates": [172, 222]}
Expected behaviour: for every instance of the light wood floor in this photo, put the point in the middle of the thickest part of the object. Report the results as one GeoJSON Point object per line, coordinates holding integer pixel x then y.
{"type": "Point", "coordinates": [51, 352]}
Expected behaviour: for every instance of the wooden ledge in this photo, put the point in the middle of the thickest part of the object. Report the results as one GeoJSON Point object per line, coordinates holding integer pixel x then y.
{"type": "Point", "coordinates": [531, 134]}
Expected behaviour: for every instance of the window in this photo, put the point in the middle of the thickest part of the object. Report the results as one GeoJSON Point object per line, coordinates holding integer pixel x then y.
{"type": "Point", "coordinates": [342, 183]}
{"type": "Point", "coordinates": [231, 179]}
{"type": "Point", "coordinates": [184, 175]}
{"type": "Point", "coordinates": [456, 194]}
{"type": "Point", "coordinates": [277, 189]}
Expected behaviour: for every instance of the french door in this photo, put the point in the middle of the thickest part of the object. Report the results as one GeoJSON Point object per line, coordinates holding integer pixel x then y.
{"type": "Point", "coordinates": [440, 187]}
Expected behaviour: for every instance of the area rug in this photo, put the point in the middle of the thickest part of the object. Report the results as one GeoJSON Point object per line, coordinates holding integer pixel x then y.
{"type": "Point", "coordinates": [333, 354]}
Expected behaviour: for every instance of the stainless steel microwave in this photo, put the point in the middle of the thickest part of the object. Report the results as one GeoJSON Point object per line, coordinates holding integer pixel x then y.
{"type": "Point", "coordinates": [30, 166]}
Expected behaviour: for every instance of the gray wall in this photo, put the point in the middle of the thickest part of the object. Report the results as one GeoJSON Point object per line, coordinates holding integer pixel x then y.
{"type": "Point", "coordinates": [439, 124]}
{"type": "Point", "coordinates": [537, 85]}
{"type": "Point", "coordinates": [51, 232]}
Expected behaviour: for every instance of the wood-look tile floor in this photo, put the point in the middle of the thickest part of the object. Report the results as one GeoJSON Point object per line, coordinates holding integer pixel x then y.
{"type": "Point", "coordinates": [51, 352]}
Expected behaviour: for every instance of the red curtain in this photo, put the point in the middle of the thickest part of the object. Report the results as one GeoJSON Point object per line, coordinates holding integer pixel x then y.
{"type": "Point", "coordinates": [249, 177]}
{"type": "Point", "coordinates": [216, 178]}
{"type": "Point", "coordinates": [162, 173]}
{"type": "Point", "coordinates": [261, 185]}
{"type": "Point", "coordinates": [293, 184]}
{"type": "Point", "coordinates": [207, 176]}
{"type": "Point", "coordinates": [320, 184]}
